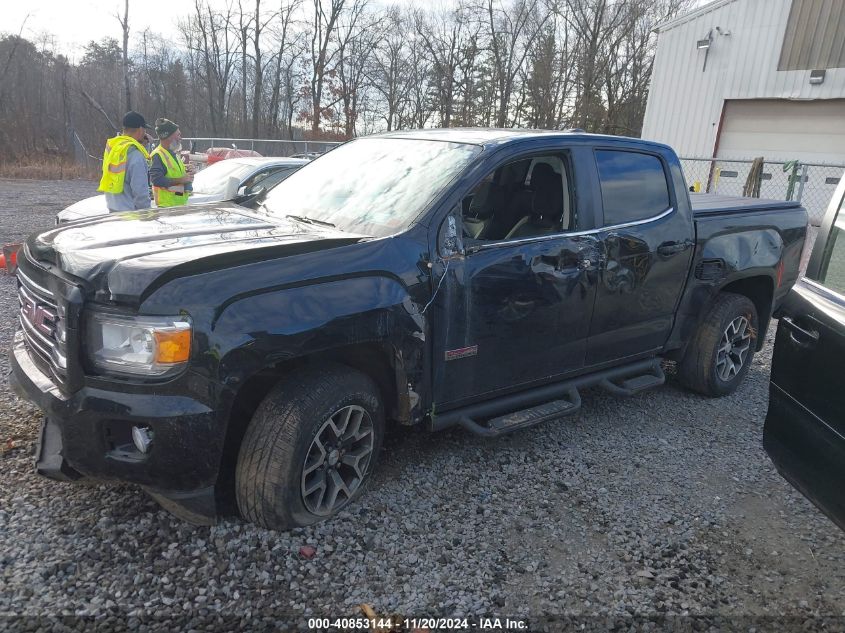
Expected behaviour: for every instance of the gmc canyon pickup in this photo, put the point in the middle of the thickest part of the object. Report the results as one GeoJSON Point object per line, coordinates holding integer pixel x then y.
{"type": "Point", "coordinates": [219, 355]}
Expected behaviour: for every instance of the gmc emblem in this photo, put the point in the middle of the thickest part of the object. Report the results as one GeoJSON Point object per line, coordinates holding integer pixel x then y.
{"type": "Point", "coordinates": [38, 316]}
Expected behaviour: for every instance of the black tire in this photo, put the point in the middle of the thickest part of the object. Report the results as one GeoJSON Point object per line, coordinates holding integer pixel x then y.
{"type": "Point", "coordinates": [281, 436]}
{"type": "Point", "coordinates": [703, 369]}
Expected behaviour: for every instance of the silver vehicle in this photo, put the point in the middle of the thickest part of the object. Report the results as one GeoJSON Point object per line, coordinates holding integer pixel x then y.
{"type": "Point", "coordinates": [226, 180]}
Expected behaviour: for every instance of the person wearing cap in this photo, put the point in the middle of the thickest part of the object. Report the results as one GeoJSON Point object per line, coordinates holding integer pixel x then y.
{"type": "Point", "coordinates": [169, 177]}
{"type": "Point", "coordinates": [125, 179]}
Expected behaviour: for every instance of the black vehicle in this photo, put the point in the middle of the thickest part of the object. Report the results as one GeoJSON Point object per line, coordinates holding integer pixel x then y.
{"type": "Point", "coordinates": [805, 426]}
{"type": "Point", "coordinates": [443, 277]}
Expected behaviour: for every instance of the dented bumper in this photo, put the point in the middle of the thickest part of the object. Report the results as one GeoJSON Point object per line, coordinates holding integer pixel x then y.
{"type": "Point", "coordinates": [89, 434]}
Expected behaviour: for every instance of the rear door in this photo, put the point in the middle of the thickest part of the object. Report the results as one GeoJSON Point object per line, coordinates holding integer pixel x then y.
{"type": "Point", "coordinates": [805, 425]}
{"type": "Point", "coordinates": [647, 249]}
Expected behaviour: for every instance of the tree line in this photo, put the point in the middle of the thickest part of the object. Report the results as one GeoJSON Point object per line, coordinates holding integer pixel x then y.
{"type": "Point", "coordinates": [334, 69]}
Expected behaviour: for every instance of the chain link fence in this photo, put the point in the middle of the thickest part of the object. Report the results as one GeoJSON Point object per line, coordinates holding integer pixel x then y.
{"type": "Point", "coordinates": [264, 146]}
{"type": "Point", "coordinates": [811, 184]}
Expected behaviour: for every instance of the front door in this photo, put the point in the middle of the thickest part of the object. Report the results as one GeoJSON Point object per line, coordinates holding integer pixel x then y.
{"type": "Point", "coordinates": [805, 425]}
{"type": "Point", "coordinates": [515, 309]}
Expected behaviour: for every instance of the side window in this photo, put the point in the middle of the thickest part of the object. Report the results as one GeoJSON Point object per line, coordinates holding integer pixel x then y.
{"type": "Point", "coordinates": [524, 198]}
{"type": "Point", "coordinates": [832, 273]}
{"type": "Point", "coordinates": [633, 186]}
{"type": "Point", "coordinates": [271, 179]}
{"type": "Point", "coordinates": [255, 179]}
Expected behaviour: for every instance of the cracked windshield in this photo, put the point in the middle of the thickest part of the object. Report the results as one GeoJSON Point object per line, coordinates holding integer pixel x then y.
{"type": "Point", "coordinates": [373, 187]}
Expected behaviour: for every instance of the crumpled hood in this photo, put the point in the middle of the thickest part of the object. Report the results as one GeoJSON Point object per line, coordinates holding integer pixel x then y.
{"type": "Point", "coordinates": [120, 255]}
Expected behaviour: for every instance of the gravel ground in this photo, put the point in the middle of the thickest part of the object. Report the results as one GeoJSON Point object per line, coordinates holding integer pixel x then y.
{"type": "Point", "coordinates": [653, 507]}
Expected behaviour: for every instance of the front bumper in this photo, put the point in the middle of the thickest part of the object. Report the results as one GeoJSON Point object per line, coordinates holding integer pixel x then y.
{"type": "Point", "coordinates": [88, 433]}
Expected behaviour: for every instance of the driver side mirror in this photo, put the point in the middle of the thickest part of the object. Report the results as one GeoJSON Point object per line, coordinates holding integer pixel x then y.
{"type": "Point", "coordinates": [232, 186]}
{"type": "Point", "coordinates": [450, 242]}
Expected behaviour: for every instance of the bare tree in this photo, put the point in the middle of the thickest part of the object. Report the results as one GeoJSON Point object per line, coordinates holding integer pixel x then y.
{"type": "Point", "coordinates": [417, 109]}
{"type": "Point", "coordinates": [124, 25]}
{"type": "Point", "coordinates": [512, 30]}
{"type": "Point", "coordinates": [324, 25]}
{"type": "Point", "coordinates": [388, 71]}
{"type": "Point", "coordinates": [15, 42]}
{"type": "Point", "coordinates": [261, 65]}
{"type": "Point", "coordinates": [443, 33]}
{"type": "Point", "coordinates": [244, 24]}
{"type": "Point", "coordinates": [357, 35]}
{"type": "Point", "coordinates": [209, 33]}
{"type": "Point", "coordinates": [286, 56]}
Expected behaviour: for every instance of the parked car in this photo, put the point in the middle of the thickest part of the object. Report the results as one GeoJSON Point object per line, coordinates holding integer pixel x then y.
{"type": "Point", "coordinates": [307, 155]}
{"type": "Point", "coordinates": [804, 432]}
{"type": "Point", "coordinates": [224, 180]}
{"type": "Point", "coordinates": [217, 154]}
{"type": "Point", "coordinates": [478, 278]}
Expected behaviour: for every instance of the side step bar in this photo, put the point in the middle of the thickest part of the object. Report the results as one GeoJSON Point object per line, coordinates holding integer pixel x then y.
{"type": "Point", "coordinates": [525, 418]}
{"type": "Point", "coordinates": [527, 408]}
{"type": "Point", "coordinates": [635, 384]}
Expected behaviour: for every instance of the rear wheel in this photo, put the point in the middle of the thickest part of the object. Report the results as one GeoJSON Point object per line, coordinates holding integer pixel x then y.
{"type": "Point", "coordinates": [310, 448]}
{"type": "Point", "coordinates": [720, 352]}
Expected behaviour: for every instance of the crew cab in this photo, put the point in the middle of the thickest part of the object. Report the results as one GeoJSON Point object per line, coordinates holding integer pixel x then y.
{"type": "Point", "coordinates": [471, 277]}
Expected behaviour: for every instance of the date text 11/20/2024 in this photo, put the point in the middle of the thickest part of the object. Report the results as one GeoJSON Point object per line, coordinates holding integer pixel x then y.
{"type": "Point", "coordinates": [412, 624]}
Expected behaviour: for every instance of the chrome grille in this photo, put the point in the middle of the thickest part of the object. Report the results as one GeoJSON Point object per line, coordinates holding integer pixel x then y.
{"type": "Point", "coordinates": [43, 327]}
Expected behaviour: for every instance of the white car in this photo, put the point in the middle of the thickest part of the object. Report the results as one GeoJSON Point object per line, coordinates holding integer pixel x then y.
{"type": "Point", "coordinates": [225, 180]}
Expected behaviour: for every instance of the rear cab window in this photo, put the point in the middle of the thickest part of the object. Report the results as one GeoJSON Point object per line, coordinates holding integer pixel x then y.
{"type": "Point", "coordinates": [633, 186]}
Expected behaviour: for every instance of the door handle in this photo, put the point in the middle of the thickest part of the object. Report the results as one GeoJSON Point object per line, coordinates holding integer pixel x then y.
{"type": "Point", "coordinates": [667, 249]}
{"type": "Point", "coordinates": [800, 336]}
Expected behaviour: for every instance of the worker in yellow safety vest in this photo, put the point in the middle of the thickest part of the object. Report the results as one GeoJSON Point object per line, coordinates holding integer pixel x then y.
{"type": "Point", "coordinates": [170, 178]}
{"type": "Point", "coordinates": [125, 179]}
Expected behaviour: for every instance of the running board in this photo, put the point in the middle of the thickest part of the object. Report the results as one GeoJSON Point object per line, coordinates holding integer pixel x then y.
{"type": "Point", "coordinates": [526, 408]}
{"type": "Point", "coordinates": [630, 386]}
{"type": "Point", "coordinates": [525, 418]}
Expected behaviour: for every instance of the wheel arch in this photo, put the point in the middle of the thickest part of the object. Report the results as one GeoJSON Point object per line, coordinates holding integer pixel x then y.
{"type": "Point", "coordinates": [377, 360]}
{"type": "Point", "coordinates": [759, 289]}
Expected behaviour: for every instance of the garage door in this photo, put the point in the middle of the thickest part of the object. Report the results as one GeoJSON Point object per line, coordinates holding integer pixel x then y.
{"type": "Point", "coordinates": [810, 131]}
{"type": "Point", "coordinates": [779, 130]}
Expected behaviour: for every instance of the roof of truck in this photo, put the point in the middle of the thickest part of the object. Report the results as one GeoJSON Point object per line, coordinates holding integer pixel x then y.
{"type": "Point", "coordinates": [488, 136]}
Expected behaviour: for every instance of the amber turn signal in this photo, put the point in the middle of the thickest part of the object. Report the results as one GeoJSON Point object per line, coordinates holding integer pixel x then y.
{"type": "Point", "coordinates": [173, 346]}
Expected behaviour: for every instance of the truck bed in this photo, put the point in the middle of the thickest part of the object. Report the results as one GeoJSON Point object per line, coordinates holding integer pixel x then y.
{"type": "Point", "coordinates": [705, 204]}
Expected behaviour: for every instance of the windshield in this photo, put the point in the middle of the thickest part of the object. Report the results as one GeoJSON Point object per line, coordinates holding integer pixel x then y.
{"type": "Point", "coordinates": [212, 179]}
{"type": "Point", "coordinates": [375, 186]}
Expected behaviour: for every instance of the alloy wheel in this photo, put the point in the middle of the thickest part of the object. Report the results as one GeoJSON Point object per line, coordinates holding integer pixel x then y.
{"type": "Point", "coordinates": [733, 348]}
{"type": "Point", "coordinates": [337, 460]}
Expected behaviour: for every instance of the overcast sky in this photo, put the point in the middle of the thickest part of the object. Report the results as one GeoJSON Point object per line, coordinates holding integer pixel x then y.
{"type": "Point", "coordinates": [74, 23]}
{"type": "Point", "coordinates": [77, 22]}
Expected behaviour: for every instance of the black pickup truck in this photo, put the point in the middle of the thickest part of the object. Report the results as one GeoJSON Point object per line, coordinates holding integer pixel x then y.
{"type": "Point", "coordinates": [444, 277]}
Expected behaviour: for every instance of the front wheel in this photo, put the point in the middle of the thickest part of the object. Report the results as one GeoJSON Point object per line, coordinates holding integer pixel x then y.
{"type": "Point", "coordinates": [310, 448]}
{"type": "Point", "coordinates": [720, 352]}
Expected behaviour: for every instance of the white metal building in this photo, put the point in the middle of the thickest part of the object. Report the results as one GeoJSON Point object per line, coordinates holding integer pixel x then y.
{"type": "Point", "coordinates": [746, 78]}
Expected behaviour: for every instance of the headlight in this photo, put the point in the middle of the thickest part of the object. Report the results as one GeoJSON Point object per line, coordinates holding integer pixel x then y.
{"type": "Point", "coordinates": [149, 346]}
